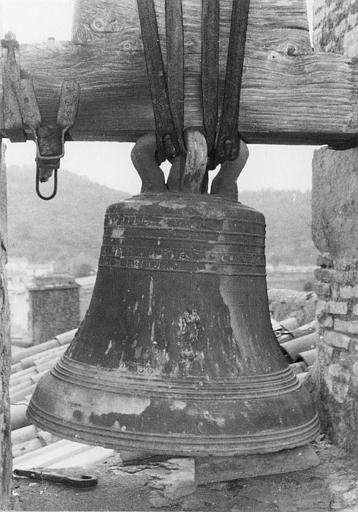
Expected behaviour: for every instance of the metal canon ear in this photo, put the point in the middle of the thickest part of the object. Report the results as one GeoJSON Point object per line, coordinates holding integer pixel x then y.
{"type": "Point", "coordinates": [176, 353]}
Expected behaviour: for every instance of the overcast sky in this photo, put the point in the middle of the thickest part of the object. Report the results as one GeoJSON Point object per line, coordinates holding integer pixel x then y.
{"type": "Point", "coordinates": [277, 167]}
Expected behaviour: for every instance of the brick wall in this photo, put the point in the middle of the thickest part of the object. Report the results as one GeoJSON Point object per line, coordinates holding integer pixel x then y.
{"type": "Point", "coordinates": [337, 315]}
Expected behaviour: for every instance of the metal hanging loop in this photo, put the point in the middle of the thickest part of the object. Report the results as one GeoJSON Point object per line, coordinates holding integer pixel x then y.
{"type": "Point", "coordinates": [38, 181]}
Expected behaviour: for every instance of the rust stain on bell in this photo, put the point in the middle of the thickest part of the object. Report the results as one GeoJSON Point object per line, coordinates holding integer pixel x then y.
{"type": "Point", "coordinates": [176, 353]}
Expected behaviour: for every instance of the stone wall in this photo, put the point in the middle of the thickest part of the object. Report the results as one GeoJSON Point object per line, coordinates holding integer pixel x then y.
{"type": "Point", "coordinates": [336, 26]}
{"type": "Point", "coordinates": [335, 233]}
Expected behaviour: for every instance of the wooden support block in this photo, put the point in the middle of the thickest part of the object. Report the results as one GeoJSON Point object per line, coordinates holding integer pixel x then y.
{"type": "Point", "coordinates": [222, 469]}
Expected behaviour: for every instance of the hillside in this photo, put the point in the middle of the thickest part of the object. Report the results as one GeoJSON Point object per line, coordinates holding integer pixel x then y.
{"type": "Point", "coordinates": [69, 228]}
{"type": "Point", "coordinates": [288, 219]}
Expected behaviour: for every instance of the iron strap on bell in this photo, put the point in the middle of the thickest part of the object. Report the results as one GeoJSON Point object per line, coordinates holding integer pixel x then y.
{"type": "Point", "coordinates": [167, 89]}
{"type": "Point", "coordinates": [222, 134]}
{"type": "Point", "coordinates": [176, 353]}
{"type": "Point", "coordinates": [168, 114]}
{"type": "Point", "coordinates": [228, 141]}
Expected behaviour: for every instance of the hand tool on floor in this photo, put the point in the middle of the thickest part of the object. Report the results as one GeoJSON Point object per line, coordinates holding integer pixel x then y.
{"type": "Point", "coordinates": [82, 481]}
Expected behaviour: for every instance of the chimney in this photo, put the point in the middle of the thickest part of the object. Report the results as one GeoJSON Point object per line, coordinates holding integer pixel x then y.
{"type": "Point", "coordinates": [54, 306]}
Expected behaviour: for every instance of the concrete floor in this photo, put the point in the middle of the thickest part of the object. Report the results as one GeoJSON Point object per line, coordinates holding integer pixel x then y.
{"type": "Point", "coordinates": [333, 485]}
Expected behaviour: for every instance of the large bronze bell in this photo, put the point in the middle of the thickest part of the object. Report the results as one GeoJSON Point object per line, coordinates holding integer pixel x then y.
{"type": "Point", "coordinates": [176, 353]}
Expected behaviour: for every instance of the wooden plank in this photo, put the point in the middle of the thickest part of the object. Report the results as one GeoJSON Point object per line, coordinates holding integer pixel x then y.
{"type": "Point", "coordinates": [289, 94]}
{"type": "Point", "coordinates": [5, 351]}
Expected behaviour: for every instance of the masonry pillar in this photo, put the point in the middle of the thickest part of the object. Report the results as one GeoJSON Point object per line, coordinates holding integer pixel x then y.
{"type": "Point", "coordinates": [335, 234]}
{"type": "Point", "coordinates": [5, 349]}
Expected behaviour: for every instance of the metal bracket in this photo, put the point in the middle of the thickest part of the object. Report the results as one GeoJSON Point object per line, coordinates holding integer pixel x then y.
{"type": "Point", "coordinates": [50, 139]}
{"type": "Point", "coordinates": [21, 109]}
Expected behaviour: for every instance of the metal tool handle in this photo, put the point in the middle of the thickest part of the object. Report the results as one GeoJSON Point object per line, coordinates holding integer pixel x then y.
{"type": "Point", "coordinates": [82, 481]}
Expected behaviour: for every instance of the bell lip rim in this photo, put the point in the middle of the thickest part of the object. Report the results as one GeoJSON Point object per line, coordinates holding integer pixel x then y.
{"type": "Point", "coordinates": [203, 444]}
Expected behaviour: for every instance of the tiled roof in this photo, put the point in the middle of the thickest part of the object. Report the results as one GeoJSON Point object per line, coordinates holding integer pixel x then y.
{"type": "Point", "coordinates": [62, 454]}
{"type": "Point", "coordinates": [32, 447]}
{"type": "Point", "coordinates": [30, 364]}
{"type": "Point", "coordinates": [299, 344]}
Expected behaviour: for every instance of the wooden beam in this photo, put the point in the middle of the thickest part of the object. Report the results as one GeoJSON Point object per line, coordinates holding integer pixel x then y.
{"type": "Point", "coordinates": [289, 96]}
{"type": "Point", "coordinates": [5, 351]}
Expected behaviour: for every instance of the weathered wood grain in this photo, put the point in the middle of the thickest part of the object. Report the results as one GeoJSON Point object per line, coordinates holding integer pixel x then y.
{"type": "Point", "coordinates": [336, 26]}
{"type": "Point", "coordinates": [5, 357]}
{"type": "Point", "coordinates": [289, 95]}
